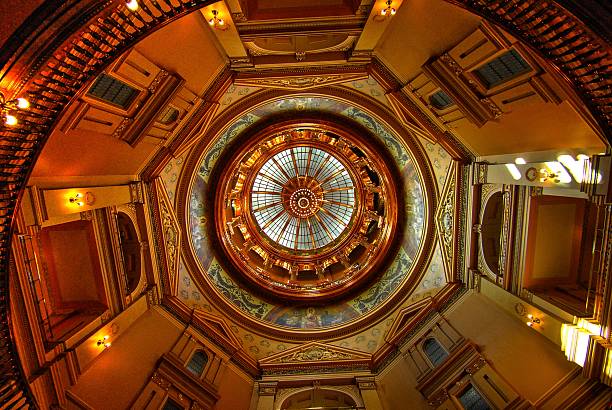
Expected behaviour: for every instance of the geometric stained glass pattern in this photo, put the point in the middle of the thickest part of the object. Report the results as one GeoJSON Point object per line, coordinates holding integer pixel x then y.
{"type": "Point", "coordinates": [306, 210]}
{"type": "Point", "coordinates": [303, 198]}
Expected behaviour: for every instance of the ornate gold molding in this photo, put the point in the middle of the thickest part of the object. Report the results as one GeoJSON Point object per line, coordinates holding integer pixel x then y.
{"type": "Point", "coordinates": [316, 354]}
{"type": "Point", "coordinates": [300, 81]}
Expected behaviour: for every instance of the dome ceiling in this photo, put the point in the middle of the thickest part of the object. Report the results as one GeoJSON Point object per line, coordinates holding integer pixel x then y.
{"type": "Point", "coordinates": [256, 302]}
{"type": "Point", "coordinates": [305, 209]}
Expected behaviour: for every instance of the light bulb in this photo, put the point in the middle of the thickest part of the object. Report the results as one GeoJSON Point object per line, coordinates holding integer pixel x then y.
{"type": "Point", "coordinates": [132, 4]}
{"type": "Point", "coordinates": [383, 12]}
{"type": "Point", "coordinates": [221, 22]}
{"type": "Point", "coordinates": [23, 103]}
{"type": "Point", "coordinates": [211, 22]}
{"type": "Point", "coordinates": [530, 324]}
{"type": "Point", "coordinates": [530, 316]}
{"type": "Point", "coordinates": [107, 344]}
{"type": "Point", "coordinates": [10, 120]}
{"type": "Point", "coordinates": [393, 11]}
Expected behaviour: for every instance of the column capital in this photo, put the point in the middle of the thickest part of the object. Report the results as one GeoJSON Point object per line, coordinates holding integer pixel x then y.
{"type": "Point", "coordinates": [267, 388]}
{"type": "Point", "coordinates": [480, 173]}
{"type": "Point", "coordinates": [366, 383]}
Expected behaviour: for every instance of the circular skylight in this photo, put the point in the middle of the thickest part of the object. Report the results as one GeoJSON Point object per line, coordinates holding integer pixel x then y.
{"type": "Point", "coordinates": [303, 198]}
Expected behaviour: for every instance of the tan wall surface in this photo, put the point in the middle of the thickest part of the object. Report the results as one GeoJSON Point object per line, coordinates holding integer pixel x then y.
{"type": "Point", "coordinates": [118, 374]}
{"type": "Point", "coordinates": [235, 390]}
{"type": "Point", "coordinates": [527, 360]}
{"type": "Point", "coordinates": [396, 388]}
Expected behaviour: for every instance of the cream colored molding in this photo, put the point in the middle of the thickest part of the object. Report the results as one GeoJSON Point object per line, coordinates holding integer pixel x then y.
{"type": "Point", "coordinates": [350, 390]}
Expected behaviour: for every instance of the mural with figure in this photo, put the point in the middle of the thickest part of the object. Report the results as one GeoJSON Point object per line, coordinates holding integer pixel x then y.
{"type": "Point", "coordinates": [310, 317]}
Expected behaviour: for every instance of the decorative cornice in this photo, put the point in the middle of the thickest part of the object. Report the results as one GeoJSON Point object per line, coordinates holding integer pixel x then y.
{"type": "Point", "coordinates": [446, 221]}
{"type": "Point", "coordinates": [298, 81]}
{"type": "Point", "coordinates": [170, 237]}
{"type": "Point", "coordinates": [313, 355]}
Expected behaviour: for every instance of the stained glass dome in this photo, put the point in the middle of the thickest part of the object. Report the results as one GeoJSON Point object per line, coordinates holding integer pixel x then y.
{"type": "Point", "coordinates": [303, 198]}
{"type": "Point", "coordinates": [304, 210]}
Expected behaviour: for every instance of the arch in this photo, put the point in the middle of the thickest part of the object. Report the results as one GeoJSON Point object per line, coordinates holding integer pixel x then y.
{"type": "Point", "coordinates": [345, 396]}
{"type": "Point", "coordinates": [130, 251]}
{"type": "Point", "coordinates": [491, 229]}
{"type": "Point", "coordinates": [197, 362]}
{"type": "Point", "coordinates": [434, 351]}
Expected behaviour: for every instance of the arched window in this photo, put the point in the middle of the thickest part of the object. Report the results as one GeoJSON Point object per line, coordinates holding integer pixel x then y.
{"type": "Point", "coordinates": [440, 100]}
{"type": "Point", "coordinates": [110, 90]}
{"type": "Point", "coordinates": [471, 399]}
{"type": "Point", "coordinates": [172, 405]}
{"type": "Point", "coordinates": [434, 351]}
{"type": "Point", "coordinates": [197, 363]}
{"type": "Point", "coordinates": [505, 67]}
{"type": "Point", "coordinates": [168, 116]}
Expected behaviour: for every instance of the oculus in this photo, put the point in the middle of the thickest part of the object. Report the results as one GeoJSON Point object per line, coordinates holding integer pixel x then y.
{"type": "Point", "coordinates": [306, 209]}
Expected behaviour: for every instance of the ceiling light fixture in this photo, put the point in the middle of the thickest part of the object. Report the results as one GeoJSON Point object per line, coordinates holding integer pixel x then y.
{"type": "Point", "coordinates": [217, 22]}
{"type": "Point", "coordinates": [7, 108]}
{"type": "Point", "coordinates": [388, 11]}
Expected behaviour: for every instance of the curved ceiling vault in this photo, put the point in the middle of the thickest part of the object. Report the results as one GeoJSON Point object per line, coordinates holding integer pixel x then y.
{"type": "Point", "coordinates": [311, 201]}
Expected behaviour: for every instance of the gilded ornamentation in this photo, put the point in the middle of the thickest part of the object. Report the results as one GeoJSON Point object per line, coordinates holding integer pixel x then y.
{"type": "Point", "coordinates": [157, 81]}
{"type": "Point", "coordinates": [196, 406]}
{"type": "Point", "coordinates": [536, 191]}
{"type": "Point", "coordinates": [171, 238]}
{"type": "Point", "coordinates": [86, 215]}
{"type": "Point", "coordinates": [316, 354]}
{"type": "Point", "coordinates": [123, 125]}
{"type": "Point", "coordinates": [480, 173]}
{"type": "Point", "coordinates": [301, 82]}
{"type": "Point", "coordinates": [136, 195]}
{"type": "Point", "coordinates": [476, 365]}
{"type": "Point", "coordinates": [445, 220]}
{"type": "Point", "coordinates": [438, 399]}
{"type": "Point", "coordinates": [366, 383]}
{"type": "Point", "coordinates": [452, 64]}
{"type": "Point", "coordinates": [236, 62]}
{"type": "Point", "coordinates": [506, 231]}
{"type": "Point", "coordinates": [267, 388]}
{"type": "Point", "coordinates": [239, 17]}
{"type": "Point", "coordinates": [493, 108]}
{"type": "Point", "coordinates": [160, 381]}
{"type": "Point", "coordinates": [153, 296]}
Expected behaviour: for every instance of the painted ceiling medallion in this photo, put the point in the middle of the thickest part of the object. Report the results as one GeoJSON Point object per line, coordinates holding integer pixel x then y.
{"type": "Point", "coordinates": [306, 210]}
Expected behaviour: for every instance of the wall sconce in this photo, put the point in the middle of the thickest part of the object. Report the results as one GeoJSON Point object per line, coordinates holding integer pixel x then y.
{"type": "Point", "coordinates": [132, 4]}
{"type": "Point", "coordinates": [79, 199]}
{"type": "Point", "coordinates": [216, 22]}
{"type": "Point", "coordinates": [104, 342]}
{"type": "Point", "coordinates": [6, 107]}
{"type": "Point", "coordinates": [549, 176]}
{"type": "Point", "coordinates": [532, 320]}
{"type": "Point", "coordinates": [388, 11]}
